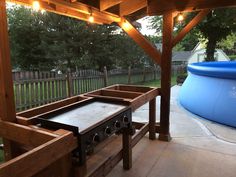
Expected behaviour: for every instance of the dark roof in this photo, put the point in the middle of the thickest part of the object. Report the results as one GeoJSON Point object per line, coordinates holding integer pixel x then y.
{"type": "Point", "coordinates": [181, 55]}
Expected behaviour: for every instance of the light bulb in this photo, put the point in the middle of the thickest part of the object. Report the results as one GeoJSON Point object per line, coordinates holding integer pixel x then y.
{"type": "Point", "coordinates": [43, 11]}
{"type": "Point", "coordinates": [36, 5]}
{"type": "Point", "coordinates": [91, 19]}
{"type": "Point", "coordinates": [180, 17]}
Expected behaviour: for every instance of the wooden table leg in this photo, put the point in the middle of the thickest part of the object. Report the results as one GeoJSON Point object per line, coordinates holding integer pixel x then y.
{"type": "Point", "coordinates": [152, 119]}
{"type": "Point", "coordinates": [127, 149]}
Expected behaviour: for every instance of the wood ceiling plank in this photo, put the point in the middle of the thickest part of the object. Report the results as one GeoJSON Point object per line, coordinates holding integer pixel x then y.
{"type": "Point", "coordinates": [158, 7]}
{"type": "Point", "coordinates": [74, 10]}
{"type": "Point", "coordinates": [130, 6]}
{"type": "Point", "coordinates": [106, 4]}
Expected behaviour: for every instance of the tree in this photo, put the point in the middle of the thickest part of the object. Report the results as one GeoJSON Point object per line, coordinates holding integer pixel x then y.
{"type": "Point", "coordinates": [189, 41]}
{"type": "Point", "coordinates": [228, 44]}
{"type": "Point", "coordinates": [25, 30]}
{"type": "Point", "coordinates": [46, 41]}
{"type": "Point", "coordinates": [217, 26]}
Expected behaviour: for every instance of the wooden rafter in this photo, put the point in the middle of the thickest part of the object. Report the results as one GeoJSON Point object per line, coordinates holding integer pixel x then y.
{"type": "Point", "coordinates": [141, 40]}
{"type": "Point", "coordinates": [105, 4]}
{"type": "Point", "coordinates": [190, 26]}
{"type": "Point", "coordinates": [74, 10]}
{"type": "Point", "coordinates": [159, 7]}
{"type": "Point", "coordinates": [130, 6]}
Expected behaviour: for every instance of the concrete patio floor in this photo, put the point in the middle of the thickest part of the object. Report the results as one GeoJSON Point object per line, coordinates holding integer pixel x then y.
{"type": "Point", "coordinates": [199, 148]}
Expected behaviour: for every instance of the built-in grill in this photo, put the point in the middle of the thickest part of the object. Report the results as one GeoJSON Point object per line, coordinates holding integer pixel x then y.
{"type": "Point", "coordinates": [92, 121]}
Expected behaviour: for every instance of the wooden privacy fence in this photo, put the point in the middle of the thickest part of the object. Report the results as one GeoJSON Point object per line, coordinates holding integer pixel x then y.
{"type": "Point", "coordinates": [37, 88]}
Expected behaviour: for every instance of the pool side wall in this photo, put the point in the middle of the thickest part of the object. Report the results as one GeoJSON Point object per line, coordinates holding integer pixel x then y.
{"type": "Point", "coordinates": [210, 97]}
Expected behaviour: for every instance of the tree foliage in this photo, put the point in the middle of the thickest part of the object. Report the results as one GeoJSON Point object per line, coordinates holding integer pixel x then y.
{"type": "Point", "coordinates": [217, 26]}
{"type": "Point", "coordinates": [214, 28]}
{"type": "Point", "coordinates": [46, 41]}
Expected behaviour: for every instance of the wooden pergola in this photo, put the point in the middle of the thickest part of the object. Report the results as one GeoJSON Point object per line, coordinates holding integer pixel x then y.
{"type": "Point", "coordinates": [122, 12]}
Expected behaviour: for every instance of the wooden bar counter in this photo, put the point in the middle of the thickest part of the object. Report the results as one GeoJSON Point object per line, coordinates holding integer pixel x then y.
{"type": "Point", "coordinates": [49, 150]}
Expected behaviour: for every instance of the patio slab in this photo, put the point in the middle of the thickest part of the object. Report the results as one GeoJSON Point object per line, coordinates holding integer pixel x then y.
{"type": "Point", "coordinates": [199, 148]}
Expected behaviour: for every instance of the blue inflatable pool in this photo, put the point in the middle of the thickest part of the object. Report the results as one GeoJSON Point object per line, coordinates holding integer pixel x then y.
{"type": "Point", "coordinates": [210, 91]}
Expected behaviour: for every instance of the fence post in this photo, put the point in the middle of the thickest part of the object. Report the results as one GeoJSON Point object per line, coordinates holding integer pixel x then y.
{"type": "Point", "coordinates": [144, 74]}
{"type": "Point", "coordinates": [105, 76]}
{"type": "Point", "coordinates": [155, 72]}
{"type": "Point", "coordinates": [69, 83]}
{"type": "Point", "coordinates": [129, 75]}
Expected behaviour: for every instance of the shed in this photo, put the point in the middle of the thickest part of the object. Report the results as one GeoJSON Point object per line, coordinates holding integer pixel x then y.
{"type": "Point", "coordinates": [181, 57]}
{"type": "Point", "coordinates": [199, 56]}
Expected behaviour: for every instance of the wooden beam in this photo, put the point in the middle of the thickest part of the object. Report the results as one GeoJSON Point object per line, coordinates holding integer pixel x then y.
{"type": "Point", "coordinates": [158, 7]}
{"type": "Point", "coordinates": [116, 153]}
{"type": "Point", "coordinates": [140, 134]}
{"type": "Point", "coordinates": [32, 162]}
{"type": "Point", "coordinates": [51, 106]}
{"type": "Point", "coordinates": [7, 104]}
{"type": "Point", "coordinates": [24, 134]}
{"type": "Point", "coordinates": [141, 40]}
{"type": "Point", "coordinates": [106, 4]}
{"type": "Point", "coordinates": [130, 6]}
{"type": "Point", "coordinates": [198, 18]}
{"type": "Point", "coordinates": [75, 10]}
{"type": "Point", "coordinates": [141, 100]}
{"type": "Point", "coordinates": [120, 94]}
{"type": "Point", "coordinates": [152, 119]}
{"type": "Point", "coordinates": [166, 76]}
{"type": "Point", "coordinates": [139, 125]}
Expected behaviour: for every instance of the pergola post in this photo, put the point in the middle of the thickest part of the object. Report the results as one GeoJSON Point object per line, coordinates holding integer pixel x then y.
{"type": "Point", "coordinates": [7, 104]}
{"type": "Point", "coordinates": [166, 76]}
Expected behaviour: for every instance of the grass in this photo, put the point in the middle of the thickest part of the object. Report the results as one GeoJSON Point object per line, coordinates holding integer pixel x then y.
{"type": "Point", "coordinates": [157, 83]}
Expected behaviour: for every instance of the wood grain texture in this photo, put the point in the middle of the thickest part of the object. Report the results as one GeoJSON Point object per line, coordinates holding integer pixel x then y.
{"type": "Point", "coordinates": [141, 40]}
{"type": "Point", "coordinates": [160, 7]}
{"type": "Point", "coordinates": [24, 134]}
{"type": "Point", "coordinates": [32, 162]}
{"type": "Point", "coordinates": [127, 150]}
{"type": "Point", "coordinates": [7, 104]}
{"type": "Point", "coordinates": [75, 10]}
{"type": "Point", "coordinates": [105, 4]}
{"type": "Point", "coordinates": [152, 119]}
{"type": "Point", "coordinates": [130, 6]}
{"type": "Point", "coordinates": [166, 77]}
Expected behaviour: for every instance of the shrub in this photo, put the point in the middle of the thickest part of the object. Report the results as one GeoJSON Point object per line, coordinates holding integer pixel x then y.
{"type": "Point", "coordinates": [181, 78]}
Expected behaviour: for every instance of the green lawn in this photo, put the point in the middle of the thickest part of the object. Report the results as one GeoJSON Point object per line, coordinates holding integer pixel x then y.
{"type": "Point", "coordinates": [157, 83]}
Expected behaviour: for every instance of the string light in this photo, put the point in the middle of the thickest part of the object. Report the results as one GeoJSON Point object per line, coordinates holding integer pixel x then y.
{"type": "Point", "coordinates": [91, 19]}
{"type": "Point", "coordinates": [43, 11]}
{"type": "Point", "coordinates": [36, 5]}
{"type": "Point", "coordinates": [180, 17]}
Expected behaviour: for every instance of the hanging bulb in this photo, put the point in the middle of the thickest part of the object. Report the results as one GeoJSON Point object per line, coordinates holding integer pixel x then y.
{"type": "Point", "coordinates": [36, 5]}
{"type": "Point", "coordinates": [91, 19]}
{"type": "Point", "coordinates": [180, 17]}
{"type": "Point", "coordinates": [43, 11]}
